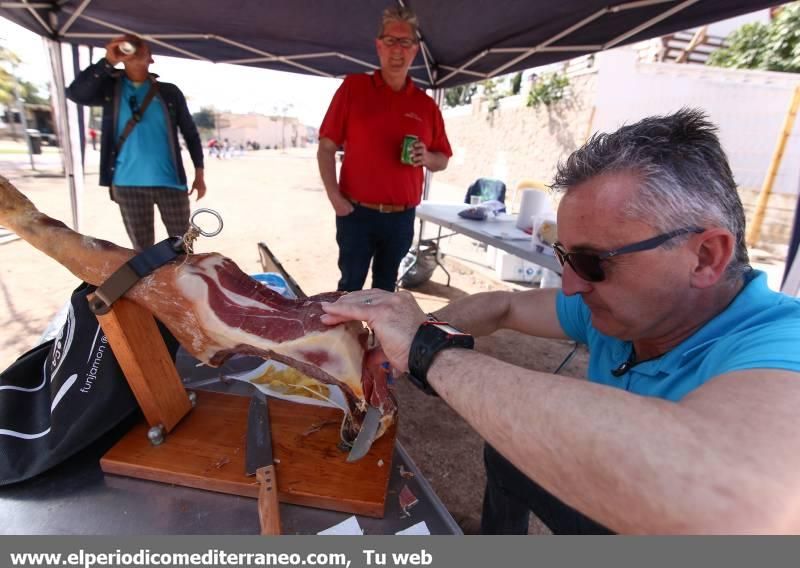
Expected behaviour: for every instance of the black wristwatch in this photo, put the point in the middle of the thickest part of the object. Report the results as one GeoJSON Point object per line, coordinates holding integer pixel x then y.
{"type": "Point", "coordinates": [431, 337]}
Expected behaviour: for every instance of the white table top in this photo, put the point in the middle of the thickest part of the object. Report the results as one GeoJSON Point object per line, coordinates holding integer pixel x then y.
{"type": "Point", "coordinates": [500, 231]}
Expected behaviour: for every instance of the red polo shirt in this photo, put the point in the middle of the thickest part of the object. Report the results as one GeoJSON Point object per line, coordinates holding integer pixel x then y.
{"type": "Point", "coordinates": [370, 120]}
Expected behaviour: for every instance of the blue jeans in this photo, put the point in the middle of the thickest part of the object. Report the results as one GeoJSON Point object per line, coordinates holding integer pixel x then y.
{"type": "Point", "coordinates": [369, 235]}
{"type": "Point", "coordinates": [510, 497]}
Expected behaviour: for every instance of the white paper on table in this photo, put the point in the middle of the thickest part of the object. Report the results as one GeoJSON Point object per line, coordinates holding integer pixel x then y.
{"type": "Point", "coordinates": [349, 526]}
{"type": "Point", "coordinates": [414, 530]}
{"type": "Point", "coordinates": [506, 233]}
{"type": "Point", "coordinates": [335, 395]}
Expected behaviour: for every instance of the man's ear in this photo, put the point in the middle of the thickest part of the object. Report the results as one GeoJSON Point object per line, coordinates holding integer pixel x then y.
{"type": "Point", "coordinates": [713, 249]}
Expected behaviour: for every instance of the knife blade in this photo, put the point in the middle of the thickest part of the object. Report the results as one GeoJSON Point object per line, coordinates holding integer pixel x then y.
{"type": "Point", "coordinates": [259, 462]}
{"type": "Point", "coordinates": [365, 437]}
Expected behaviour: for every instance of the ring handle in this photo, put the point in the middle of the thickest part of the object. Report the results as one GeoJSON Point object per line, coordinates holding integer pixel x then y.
{"type": "Point", "coordinates": [201, 231]}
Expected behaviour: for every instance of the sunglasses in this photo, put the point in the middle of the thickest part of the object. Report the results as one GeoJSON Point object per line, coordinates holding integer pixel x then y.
{"type": "Point", "coordinates": [135, 110]}
{"type": "Point", "coordinates": [391, 41]}
{"type": "Point", "coordinates": [588, 265]}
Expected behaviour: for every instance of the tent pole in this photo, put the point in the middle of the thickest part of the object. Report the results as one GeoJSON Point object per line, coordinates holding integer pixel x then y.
{"type": "Point", "coordinates": [754, 230]}
{"type": "Point", "coordinates": [438, 96]}
{"type": "Point", "coordinates": [68, 129]}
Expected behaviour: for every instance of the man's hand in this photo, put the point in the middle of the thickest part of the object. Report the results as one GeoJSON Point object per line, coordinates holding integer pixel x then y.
{"type": "Point", "coordinates": [199, 184]}
{"type": "Point", "coordinates": [341, 205]}
{"type": "Point", "coordinates": [418, 153]}
{"type": "Point", "coordinates": [326, 158]}
{"type": "Point", "coordinates": [434, 161]}
{"type": "Point", "coordinates": [113, 54]}
{"type": "Point", "coordinates": [394, 318]}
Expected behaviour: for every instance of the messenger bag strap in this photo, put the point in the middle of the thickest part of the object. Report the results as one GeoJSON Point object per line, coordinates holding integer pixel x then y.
{"type": "Point", "coordinates": [137, 116]}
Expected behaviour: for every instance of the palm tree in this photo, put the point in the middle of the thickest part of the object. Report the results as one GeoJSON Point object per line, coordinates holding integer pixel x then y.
{"type": "Point", "coordinates": [7, 79]}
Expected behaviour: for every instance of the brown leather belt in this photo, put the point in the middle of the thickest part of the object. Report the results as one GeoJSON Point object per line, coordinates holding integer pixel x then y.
{"type": "Point", "coordinates": [381, 207]}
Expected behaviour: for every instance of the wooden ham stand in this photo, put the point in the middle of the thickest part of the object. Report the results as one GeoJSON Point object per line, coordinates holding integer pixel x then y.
{"type": "Point", "coordinates": [198, 440]}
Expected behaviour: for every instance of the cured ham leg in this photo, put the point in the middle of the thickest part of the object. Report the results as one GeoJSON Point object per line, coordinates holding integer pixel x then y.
{"type": "Point", "coordinates": [215, 310]}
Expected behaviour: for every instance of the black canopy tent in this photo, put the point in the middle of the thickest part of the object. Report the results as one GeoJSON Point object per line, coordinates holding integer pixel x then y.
{"type": "Point", "coordinates": [462, 41]}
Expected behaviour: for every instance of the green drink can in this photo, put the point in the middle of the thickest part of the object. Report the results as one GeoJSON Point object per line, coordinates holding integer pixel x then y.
{"type": "Point", "coordinates": [407, 154]}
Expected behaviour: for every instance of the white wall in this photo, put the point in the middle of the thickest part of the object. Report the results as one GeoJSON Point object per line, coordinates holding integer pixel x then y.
{"type": "Point", "coordinates": [748, 106]}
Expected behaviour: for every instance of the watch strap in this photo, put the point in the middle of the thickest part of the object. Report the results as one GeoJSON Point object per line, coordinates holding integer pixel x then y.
{"type": "Point", "coordinates": [432, 337]}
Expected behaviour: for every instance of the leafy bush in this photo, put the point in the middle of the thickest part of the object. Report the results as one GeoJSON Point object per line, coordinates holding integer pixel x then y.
{"type": "Point", "coordinates": [773, 47]}
{"type": "Point", "coordinates": [547, 89]}
{"type": "Point", "coordinates": [461, 95]}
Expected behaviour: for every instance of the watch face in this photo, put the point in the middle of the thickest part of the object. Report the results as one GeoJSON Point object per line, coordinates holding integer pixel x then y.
{"type": "Point", "coordinates": [449, 329]}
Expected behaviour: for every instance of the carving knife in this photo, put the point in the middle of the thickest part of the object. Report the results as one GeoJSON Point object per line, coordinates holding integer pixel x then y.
{"type": "Point", "coordinates": [365, 437]}
{"type": "Point", "coordinates": [259, 462]}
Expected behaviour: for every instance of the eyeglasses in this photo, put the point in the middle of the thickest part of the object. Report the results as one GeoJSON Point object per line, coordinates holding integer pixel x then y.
{"type": "Point", "coordinates": [135, 110]}
{"type": "Point", "coordinates": [391, 41]}
{"type": "Point", "coordinates": [588, 265]}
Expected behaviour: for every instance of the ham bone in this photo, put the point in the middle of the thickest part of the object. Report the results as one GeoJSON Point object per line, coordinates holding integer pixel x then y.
{"type": "Point", "coordinates": [215, 310]}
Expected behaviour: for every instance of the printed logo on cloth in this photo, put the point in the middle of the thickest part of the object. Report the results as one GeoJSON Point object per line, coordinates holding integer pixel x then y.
{"type": "Point", "coordinates": [63, 342]}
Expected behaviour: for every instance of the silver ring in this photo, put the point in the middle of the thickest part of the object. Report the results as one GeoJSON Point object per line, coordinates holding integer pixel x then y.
{"type": "Point", "coordinates": [201, 231]}
{"type": "Point", "coordinates": [368, 301]}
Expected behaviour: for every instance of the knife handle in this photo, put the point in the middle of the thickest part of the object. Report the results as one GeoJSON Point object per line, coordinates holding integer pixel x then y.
{"type": "Point", "coordinates": [269, 513]}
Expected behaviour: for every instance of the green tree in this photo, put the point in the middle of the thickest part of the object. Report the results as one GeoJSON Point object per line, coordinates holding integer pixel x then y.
{"type": "Point", "coordinates": [516, 83]}
{"type": "Point", "coordinates": [547, 89]}
{"type": "Point", "coordinates": [7, 59]}
{"type": "Point", "coordinates": [205, 118]}
{"type": "Point", "coordinates": [773, 47]}
{"type": "Point", "coordinates": [461, 95]}
{"type": "Point", "coordinates": [30, 93]}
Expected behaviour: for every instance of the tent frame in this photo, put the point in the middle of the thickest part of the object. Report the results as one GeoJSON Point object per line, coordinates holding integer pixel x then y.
{"type": "Point", "coordinates": [433, 81]}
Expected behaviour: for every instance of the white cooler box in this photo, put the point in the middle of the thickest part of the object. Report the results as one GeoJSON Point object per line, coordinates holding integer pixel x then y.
{"type": "Point", "coordinates": [514, 269]}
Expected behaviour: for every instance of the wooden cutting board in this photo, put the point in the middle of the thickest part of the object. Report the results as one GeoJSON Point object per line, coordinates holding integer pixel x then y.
{"type": "Point", "coordinates": [206, 450]}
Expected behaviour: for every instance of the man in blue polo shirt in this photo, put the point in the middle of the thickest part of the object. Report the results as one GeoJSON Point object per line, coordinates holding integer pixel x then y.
{"type": "Point", "coordinates": [140, 156]}
{"type": "Point", "coordinates": [688, 422]}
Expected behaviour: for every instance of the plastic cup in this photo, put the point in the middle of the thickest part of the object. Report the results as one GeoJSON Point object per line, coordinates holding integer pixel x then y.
{"type": "Point", "coordinates": [126, 48]}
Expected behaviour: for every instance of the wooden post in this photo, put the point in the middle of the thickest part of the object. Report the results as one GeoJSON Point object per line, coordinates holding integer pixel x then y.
{"type": "Point", "coordinates": [140, 350]}
{"type": "Point", "coordinates": [698, 38]}
{"type": "Point", "coordinates": [589, 125]}
{"type": "Point", "coordinates": [754, 231]}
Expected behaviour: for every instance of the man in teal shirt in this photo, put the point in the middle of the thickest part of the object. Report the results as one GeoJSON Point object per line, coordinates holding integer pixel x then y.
{"type": "Point", "coordinates": [688, 422]}
{"type": "Point", "coordinates": [140, 156]}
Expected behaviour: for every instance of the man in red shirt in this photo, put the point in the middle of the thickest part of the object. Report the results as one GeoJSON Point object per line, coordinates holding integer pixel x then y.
{"type": "Point", "coordinates": [376, 194]}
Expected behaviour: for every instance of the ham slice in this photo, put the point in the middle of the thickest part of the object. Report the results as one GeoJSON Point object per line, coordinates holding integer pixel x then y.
{"type": "Point", "coordinates": [215, 310]}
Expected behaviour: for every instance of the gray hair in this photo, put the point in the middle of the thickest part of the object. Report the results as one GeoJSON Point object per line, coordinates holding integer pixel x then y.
{"type": "Point", "coordinates": [685, 176]}
{"type": "Point", "coordinates": [399, 14]}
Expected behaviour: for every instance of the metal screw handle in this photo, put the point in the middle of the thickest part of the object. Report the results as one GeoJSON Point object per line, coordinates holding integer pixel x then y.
{"type": "Point", "coordinates": [201, 231]}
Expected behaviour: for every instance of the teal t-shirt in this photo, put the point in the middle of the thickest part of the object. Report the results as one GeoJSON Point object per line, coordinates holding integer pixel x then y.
{"type": "Point", "coordinates": [760, 329]}
{"type": "Point", "coordinates": [146, 157]}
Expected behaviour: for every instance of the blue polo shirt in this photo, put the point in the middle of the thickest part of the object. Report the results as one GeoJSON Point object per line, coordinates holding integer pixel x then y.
{"type": "Point", "coordinates": [760, 329]}
{"type": "Point", "coordinates": [146, 157]}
